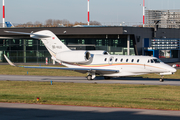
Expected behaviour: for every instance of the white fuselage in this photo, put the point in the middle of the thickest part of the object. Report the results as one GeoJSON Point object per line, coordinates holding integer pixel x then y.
{"type": "Point", "coordinates": [126, 65]}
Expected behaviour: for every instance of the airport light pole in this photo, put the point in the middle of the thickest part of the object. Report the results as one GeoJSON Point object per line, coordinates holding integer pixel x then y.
{"type": "Point", "coordinates": [143, 13]}
{"type": "Point", "coordinates": [88, 12]}
{"type": "Point", "coordinates": [3, 14]}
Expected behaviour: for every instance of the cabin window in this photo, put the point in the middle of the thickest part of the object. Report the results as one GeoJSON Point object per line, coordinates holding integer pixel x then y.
{"type": "Point", "coordinates": [121, 60]}
{"type": "Point", "coordinates": [137, 60]}
{"type": "Point", "coordinates": [126, 60]}
{"type": "Point", "coordinates": [152, 61]}
{"type": "Point", "coordinates": [105, 59]}
{"type": "Point", "coordinates": [111, 59]}
{"type": "Point", "coordinates": [132, 60]}
{"type": "Point", "coordinates": [148, 61]}
{"type": "Point", "coordinates": [116, 60]}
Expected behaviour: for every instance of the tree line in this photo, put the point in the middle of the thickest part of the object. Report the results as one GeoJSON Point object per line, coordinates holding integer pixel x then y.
{"type": "Point", "coordinates": [55, 23]}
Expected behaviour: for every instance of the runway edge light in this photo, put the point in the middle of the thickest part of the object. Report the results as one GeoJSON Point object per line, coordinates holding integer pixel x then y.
{"type": "Point", "coordinates": [51, 82]}
{"type": "Point", "coordinates": [37, 99]}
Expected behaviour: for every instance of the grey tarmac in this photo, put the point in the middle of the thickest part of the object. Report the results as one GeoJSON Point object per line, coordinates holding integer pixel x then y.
{"type": "Point", "coordinates": [15, 111]}
{"type": "Point", "coordinates": [99, 80]}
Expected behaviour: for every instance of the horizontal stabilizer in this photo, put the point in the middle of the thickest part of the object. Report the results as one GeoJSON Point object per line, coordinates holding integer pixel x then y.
{"type": "Point", "coordinates": [31, 34]}
{"type": "Point", "coordinates": [12, 64]}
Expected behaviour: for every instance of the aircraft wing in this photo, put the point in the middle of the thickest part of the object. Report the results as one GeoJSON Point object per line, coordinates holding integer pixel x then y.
{"type": "Point", "coordinates": [82, 70]}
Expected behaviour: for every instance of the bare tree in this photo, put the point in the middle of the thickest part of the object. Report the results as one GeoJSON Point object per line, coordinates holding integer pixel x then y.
{"type": "Point", "coordinates": [79, 23]}
{"type": "Point", "coordinates": [56, 23]}
{"type": "Point", "coordinates": [49, 22]}
{"type": "Point", "coordinates": [95, 23]}
{"type": "Point", "coordinates": [28, 24]}
{"type": "Point", "coordinates": [38, 24]}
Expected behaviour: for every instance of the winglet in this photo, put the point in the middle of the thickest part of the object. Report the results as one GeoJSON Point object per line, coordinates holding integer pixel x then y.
{"type": "Point", "coordinates": [12, 64]}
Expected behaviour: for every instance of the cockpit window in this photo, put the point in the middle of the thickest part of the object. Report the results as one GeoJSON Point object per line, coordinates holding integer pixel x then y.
{"type": "Point", "coordinates": [156, 60]}
{"type": "Point", "coordinates": [152, 61]}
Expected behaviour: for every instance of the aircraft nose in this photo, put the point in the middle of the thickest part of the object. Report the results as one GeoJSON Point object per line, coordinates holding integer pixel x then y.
{"type": "Point", "coordinates": [173, 70]}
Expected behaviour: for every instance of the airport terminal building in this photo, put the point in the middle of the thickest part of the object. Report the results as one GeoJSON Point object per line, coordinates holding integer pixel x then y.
{"type": "Point", "coordinates": [163, 43]}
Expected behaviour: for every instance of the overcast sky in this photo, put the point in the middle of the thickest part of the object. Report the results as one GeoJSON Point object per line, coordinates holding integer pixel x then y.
{"type": "Point", "coordinates": [104, 11]}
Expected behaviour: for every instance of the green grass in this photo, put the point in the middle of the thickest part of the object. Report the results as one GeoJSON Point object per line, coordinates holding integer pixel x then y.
{"type": "Point", "coordinates": [80, 94]}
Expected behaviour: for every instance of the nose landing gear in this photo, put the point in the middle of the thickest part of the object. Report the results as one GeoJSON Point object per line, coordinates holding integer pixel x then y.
{"type": "Point", "coordinates": [161, 79]}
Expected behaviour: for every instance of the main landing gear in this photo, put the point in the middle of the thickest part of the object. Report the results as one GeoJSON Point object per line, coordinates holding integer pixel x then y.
{"type": "Point", "coordinates": [91, 76]}
{"type": "Point", "coordinates": [161, 79]}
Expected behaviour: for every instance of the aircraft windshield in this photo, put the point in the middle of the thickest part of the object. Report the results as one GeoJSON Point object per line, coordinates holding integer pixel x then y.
{"type": "Point", "coordinates": [156, 60]}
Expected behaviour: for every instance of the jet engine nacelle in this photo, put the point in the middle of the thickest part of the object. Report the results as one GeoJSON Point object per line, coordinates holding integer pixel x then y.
{"type": "Point", "coordinates": [98, 52]}
{"type": "Point", "coordinates": [74, 56]}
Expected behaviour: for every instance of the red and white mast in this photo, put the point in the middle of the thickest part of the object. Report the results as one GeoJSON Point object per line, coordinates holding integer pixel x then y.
{"type": "Point", "coordinates": [3, 14]}
{"type": "Point", "coordinates": [143, 13]}
{"type": "Point", "coordinates": [88, 12]}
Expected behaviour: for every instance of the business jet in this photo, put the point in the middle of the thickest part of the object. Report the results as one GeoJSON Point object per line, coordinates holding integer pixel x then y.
{"type": "Point", "coordinates": [97, 62]}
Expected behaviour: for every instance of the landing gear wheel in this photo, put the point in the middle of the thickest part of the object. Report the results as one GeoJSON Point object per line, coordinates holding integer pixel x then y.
{"type": "Point", "coordinates": [89, 77]}
{"type": "Point", "coordinates": [161, 80]}
{"type": "Point", "coordinates": [107, 78]}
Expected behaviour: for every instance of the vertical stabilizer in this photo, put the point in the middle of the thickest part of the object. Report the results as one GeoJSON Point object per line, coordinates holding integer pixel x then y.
{"type": "Point", "coordinates": [9, 24]}
{"type": "Point", "coordinates": [52, 42]}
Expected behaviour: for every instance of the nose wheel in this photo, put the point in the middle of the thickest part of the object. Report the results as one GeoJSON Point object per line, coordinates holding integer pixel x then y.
{"type": "Point", "coordinates": [161, 79]}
